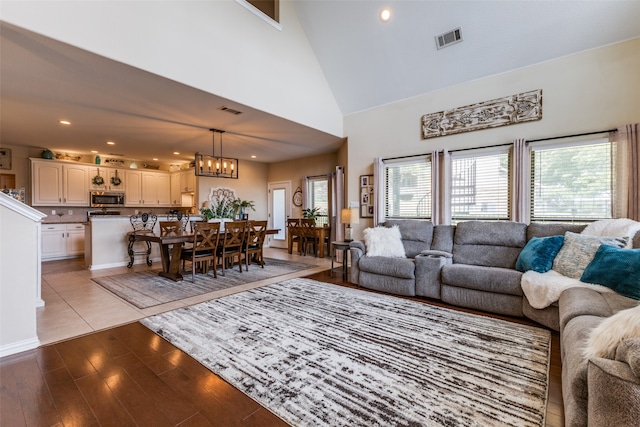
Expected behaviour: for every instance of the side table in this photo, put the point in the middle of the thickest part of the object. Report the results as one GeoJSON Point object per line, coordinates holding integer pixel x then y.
{"type": "Point", "coordinates": [344, 247]}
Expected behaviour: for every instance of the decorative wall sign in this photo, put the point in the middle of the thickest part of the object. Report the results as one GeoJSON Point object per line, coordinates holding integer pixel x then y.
{"type": "Point", "coordinates": [523, 107]}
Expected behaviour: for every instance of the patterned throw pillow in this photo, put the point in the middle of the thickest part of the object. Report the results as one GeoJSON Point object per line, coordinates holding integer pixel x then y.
{"type": "Point", "coordinates": [578, 250]}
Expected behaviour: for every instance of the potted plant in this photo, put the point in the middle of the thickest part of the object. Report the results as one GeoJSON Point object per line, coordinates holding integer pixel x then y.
{"type": "Point", "coordinates": [240, 206]}
{"type": "Point", "coordinates": [311, 213]}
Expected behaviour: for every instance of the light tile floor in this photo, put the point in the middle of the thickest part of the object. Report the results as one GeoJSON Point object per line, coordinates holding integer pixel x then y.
{"type": "Point", "coordinates": [74, 305]}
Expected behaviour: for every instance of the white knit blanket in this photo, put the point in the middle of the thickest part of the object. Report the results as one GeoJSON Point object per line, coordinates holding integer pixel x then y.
{"type": "Point", "coordinates": [543, 289]}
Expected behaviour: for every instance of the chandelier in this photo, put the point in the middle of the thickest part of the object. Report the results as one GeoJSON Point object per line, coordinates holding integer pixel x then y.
{"type": "Point", "coordinates": [216, 166]}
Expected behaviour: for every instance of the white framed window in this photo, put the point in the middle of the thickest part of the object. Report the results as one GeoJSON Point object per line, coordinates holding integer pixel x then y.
{"type": "Point", "coordinates": [407, 188]}
{"type": "Point", "coordinates": [572, 181]}
{"type": "Point", "coordinates": [318, 197]}
{"type": "Point", "coordinates": [479, 187]}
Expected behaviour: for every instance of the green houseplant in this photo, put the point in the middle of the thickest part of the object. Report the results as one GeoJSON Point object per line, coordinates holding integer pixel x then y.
{"type": "Point", "coordinates": [240, 206]}
{"type": "Point", "coordinates": [311, 213]}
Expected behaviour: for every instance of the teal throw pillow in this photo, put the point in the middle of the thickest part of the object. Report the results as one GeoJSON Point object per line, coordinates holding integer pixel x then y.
{"type": "Point", "coordinates": [539, 253]}
{"type": "Point", "coordinates": [617, 269]}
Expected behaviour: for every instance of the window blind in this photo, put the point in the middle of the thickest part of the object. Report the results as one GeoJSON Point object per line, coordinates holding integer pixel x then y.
{"type": "Point", "coordinates": [408, 188]}
{"type": "Point", "coordinates": [479, 185]}
{"type": "Point", "coordinates": [572, 182]}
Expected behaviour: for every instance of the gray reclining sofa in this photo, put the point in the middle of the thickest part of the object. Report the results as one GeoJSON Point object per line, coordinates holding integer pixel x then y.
{"type": "Point", "coordinates": [472, 265]}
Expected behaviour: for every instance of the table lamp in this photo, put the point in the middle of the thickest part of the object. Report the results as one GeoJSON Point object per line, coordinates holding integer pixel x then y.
{"type": "Point", "coordinates": [348, 217]}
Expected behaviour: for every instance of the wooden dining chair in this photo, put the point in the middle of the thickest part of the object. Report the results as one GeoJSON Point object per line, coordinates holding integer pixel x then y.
{"type": "Point", "coordinates": [167, 227]}
{"type": "Point", "coordinates": [206, 237]}
{"type": "Point", "coordinates": [293, 228]}
{"type": "Point", "coordinates": [231, 246]}
{"type": "Point", "coordinates": [308, 235]}
{"type": "Point", "coordinates": [256, 233]}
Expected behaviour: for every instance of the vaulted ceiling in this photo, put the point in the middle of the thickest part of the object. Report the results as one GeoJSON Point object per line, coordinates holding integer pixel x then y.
{"type": "Point", "coordinates": [367, 63]}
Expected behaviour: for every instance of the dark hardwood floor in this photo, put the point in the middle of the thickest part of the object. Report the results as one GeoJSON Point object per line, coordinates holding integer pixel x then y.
{"type": "Point", "coordinates": [128, 376]}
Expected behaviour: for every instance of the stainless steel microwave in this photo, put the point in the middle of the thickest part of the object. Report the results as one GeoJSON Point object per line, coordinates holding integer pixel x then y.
{"type": "Point", "coordinates": [103, 199]}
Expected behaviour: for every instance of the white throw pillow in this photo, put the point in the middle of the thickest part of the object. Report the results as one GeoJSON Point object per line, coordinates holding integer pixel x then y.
{"type": "Point", "coordinates": [618, 227]}
{"type": "Point", "coordinates": [605, 338]}
{"type": "Point", "coordinates": [383, 241]}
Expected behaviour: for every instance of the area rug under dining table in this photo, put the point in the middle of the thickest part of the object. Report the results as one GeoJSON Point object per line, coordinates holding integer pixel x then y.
{"type": "Point", "coordinates": [317, 354]}
{"type": "Point", "coordinates": [146, 289]}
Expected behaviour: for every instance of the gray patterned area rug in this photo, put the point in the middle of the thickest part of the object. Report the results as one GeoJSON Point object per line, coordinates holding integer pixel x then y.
{"type": "Point", "coordinates": [146, 289]}
{"type": "Point", "coordinates": [317, 354]}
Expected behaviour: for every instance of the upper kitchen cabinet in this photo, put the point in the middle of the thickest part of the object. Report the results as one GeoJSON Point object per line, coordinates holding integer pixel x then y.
{"type": "Point", "coordinates": [59, 183]}
{"type": "Point", "coordinates": [147, 189]}
{"type": "Point", "coordinates": [187, 181]}
{"type": "Point", "coordinates": [112, 179]}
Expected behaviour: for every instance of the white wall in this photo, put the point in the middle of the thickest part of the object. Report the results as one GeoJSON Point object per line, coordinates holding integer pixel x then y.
{"type": "Point", "coordinates": [19, 278]}
{"type": "Point", "coordinates": [590, 91]}
{"type": "Point", "coordinates": [216, 46]}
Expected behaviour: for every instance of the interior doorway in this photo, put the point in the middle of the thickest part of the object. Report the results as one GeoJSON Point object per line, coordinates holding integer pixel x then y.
{"type": "Point", "coordinates": [279, 209]}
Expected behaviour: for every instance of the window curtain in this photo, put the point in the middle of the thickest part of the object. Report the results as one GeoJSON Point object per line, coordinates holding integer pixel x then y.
{"type": "Point", "coordinates": [440, 173]}
{"type": "Point", "coordinates": [378, 191]}
{"type": "Point", "coordinates": [336, 203]}
{"type": "Point", "coordinates": [305, 192]}
{"type": "Point", "coordinates": [520, 179]}
{"type": "Point", "coordinates": [627, 146]}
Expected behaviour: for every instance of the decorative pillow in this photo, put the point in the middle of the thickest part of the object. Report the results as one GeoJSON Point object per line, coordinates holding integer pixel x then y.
{"type": "Point", "coordinates": [604, 339]}
{"type": "Point", "coordinates": [578, 251]}
{"type": "Point", "coordinates": [383, 241]}
{"type": "Point", "coordinates": [539, 253]}
{"type": "Point", "coordinates": [617, 227]}
{"type": "Point", "coordinates": [615, 268]}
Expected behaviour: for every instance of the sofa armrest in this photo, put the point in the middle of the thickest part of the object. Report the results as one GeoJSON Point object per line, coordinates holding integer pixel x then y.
{"type": "Point", "coordinates": [431, 253]}
{"type": "Point", "coordinates": [357, 251]}
{"type": "Point", "coordinates": [614, 394]}
{"type": "Point", "coordinates": [428, 267]}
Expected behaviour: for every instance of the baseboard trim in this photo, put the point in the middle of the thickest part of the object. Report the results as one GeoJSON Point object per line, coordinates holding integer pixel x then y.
{"type": "Point", "coordinates": [123, 263]}
{"type": "Point", "coordinates": [18, 347]}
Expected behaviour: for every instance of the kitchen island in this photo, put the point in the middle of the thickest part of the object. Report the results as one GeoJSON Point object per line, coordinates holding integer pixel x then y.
{"type": "Point", "coordinates": [106, 242]}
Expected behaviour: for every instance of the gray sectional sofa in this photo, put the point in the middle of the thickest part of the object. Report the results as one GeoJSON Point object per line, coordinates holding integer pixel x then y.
{"type": "Point", "coordinates": [472, 265]}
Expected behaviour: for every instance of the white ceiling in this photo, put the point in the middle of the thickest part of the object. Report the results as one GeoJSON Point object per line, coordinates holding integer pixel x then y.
{"type": "Point", "coordinates": [366, 63]}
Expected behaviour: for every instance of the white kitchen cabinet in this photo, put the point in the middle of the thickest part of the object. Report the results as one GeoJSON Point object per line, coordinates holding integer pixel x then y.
{"type": "Point", "coordinates": [187, 181]}
{"type": "Point", "coordinates": [62, 240]}
{"type": "Point", "coordinates": [133, 188]}
{"type": "Point", "coordinates": [58, 183]}
{"type": "Point", "coordinates": [107, 175]}
{"type": "Point", "coordinates": [176, 194]}
{"type": "Point", "coordinates": [147, 189]}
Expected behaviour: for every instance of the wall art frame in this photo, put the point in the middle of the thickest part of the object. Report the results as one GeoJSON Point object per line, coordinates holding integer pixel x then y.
{"type": "Point", "coordinates": [367, 198]}
{"type": "Point", "coordinates": [509, 110]}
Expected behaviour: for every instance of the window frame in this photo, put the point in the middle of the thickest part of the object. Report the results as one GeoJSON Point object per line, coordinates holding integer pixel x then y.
{"type": "Point", "coordinates": [408, 161]}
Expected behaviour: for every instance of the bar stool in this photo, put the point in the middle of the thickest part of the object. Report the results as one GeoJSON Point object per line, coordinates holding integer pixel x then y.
{"type": "Point", "coordinates": [141, 224]}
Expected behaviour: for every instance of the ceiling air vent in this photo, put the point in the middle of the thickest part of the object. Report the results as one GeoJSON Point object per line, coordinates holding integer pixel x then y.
{"type": "Point", "coordinates": [230, 110]}
{"type": "Point", "coordinates": [450, 37]}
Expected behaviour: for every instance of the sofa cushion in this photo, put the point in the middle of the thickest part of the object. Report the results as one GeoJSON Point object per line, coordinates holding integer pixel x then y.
{"type": "Point", "coordinates": [416, 235]}
{"type": "Point", "coordinates": [575, 302]}
{"type": "Point", "coordinates": [539, 253]}
{"type": "Point", "coordinates": [384, 242]}
{"type": "Point", "coordinates": [395, 267]}
{"type": "Point", "coordinates": [577, 252]}
{"type": "Point", "coordinates": [487, 279]}
{"type": "Point", "coordinates": [615, 268]}
{"type": "Point", "coordinates": [490, 244]}
{"type": "Point", "coordinates": [540, 229]}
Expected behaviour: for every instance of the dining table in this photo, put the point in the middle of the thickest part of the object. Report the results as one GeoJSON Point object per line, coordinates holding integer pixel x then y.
{"type": "Point", "coordinates": [322, 233]}
{"type": "Point", "coordinates": [171, 249]}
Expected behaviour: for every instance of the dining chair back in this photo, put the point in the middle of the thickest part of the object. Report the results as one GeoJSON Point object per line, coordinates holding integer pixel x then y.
{"type": "Point", "coordinates": [182, 217]}
{"type": "Point", "coordinates": [206, 237]}
{"type": "Point", "coordinates": [234, 234]}
{"type": "Point", "coordinates": [293, 228]}
{"type": "Point", "coordinates": [256, 233]}
{"type": "Point", "coordinates": [308, 235]}
{"type": "Point", "coordinates": [167, 227]}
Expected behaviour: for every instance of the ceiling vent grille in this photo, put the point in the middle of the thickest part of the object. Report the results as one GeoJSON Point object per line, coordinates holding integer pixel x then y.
{"type": "Point", "coordinates": [230, 110]}
{"type": "Point", "coordinates": [450, 37]}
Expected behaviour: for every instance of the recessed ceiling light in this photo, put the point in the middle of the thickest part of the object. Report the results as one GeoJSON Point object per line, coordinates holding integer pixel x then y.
{"type": "Point", "coordinates": [385, 14]}
{"type": "Point", "coordinates": [253, 157]}
{"type": "Point", "coordinates": [176, 153]}
{"type": "Point", "coordinates": [155, 159]}
{"type": "Point", "coordinates": [111, 143]}
{"type": "Point", "coordinates": [65, 122]}
{"type": "Point", "coordinates": [94, 151]}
